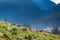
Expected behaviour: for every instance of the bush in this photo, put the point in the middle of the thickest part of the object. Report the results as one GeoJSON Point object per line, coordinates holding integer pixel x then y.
{"type": "Point", "coordinates": [29, 37]}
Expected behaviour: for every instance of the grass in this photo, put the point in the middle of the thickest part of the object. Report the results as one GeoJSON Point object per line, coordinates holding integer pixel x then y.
{"type": "Point", "coordinates": [6, 33]}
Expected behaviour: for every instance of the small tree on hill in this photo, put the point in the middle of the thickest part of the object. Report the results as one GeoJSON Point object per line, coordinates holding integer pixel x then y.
{"type": "Point", "coordinates": [55, 29]}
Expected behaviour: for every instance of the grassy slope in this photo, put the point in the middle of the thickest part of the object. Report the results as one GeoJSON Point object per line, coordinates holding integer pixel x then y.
{"type": "Point", "coordinates": [22, 34]}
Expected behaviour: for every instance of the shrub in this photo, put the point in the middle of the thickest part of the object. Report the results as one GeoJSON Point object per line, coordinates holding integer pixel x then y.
{"type": "Point", "coordinates": [29, 37]}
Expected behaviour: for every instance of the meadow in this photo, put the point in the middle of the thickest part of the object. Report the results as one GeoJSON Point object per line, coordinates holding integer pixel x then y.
{"type": "Point", "coordinates": [8, 33]}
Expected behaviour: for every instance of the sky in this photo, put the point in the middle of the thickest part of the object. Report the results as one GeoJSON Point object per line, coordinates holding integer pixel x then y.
{"type": "Point", "coordinates": [26, 11]}
{"type": "Point", "coordinates": [56, 1]}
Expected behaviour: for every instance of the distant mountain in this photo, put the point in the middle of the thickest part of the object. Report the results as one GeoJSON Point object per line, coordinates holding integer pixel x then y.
{"type": "Point", "coordinates": [27, 13]}
{"type": "Point", "coordinates": [53, 17]}
{"type": "Point", "coordinates": [55, 9]}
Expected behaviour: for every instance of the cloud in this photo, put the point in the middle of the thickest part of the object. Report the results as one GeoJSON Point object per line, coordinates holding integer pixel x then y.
{"type": "Point", "coordinates": [48, 29]}
{"type": "Point", "coordinates": [56, 1]}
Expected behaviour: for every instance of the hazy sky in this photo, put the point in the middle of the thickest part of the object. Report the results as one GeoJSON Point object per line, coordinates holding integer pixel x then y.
{"type": "Point", "coordinates": [25, 11]}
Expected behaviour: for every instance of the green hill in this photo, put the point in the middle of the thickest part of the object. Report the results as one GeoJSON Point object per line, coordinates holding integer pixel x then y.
{"type": "Point", "coordinates": [8, 33]}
